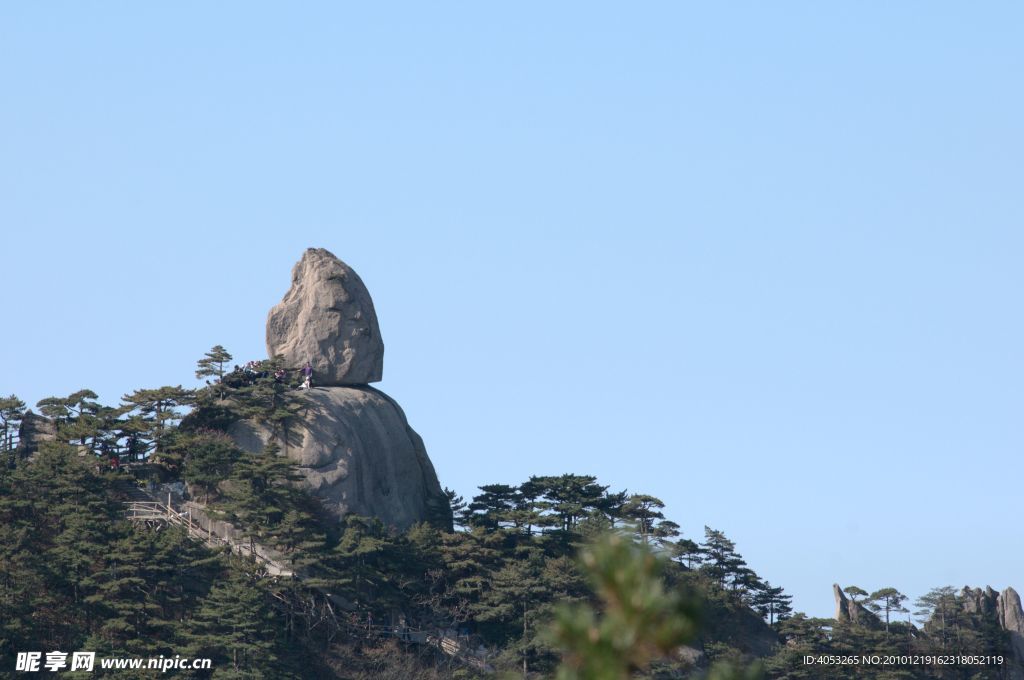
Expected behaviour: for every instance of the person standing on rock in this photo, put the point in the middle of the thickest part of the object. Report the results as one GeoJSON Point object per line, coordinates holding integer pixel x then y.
{"type": "Point", "coordinates": [307, 375]}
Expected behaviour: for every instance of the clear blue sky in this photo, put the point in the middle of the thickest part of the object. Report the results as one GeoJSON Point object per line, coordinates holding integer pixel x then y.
{"type": "Point", "coordinates": [762, 260]}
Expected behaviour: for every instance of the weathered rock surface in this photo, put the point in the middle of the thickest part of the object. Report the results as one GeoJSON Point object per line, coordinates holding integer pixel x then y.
{"type": "Point", "coordinates": [358, 455]}
{"type": "Point", "coordinates": [327, 318]}
{"type": "Point", "coordinates": [33, 431]}
{"type": "Point", "coordinates": [978, 601]}
{"type": "Point", "coordinates": [853, 612]}
{"type": "Point", "coordinates": [1011, 619]}
{"type": "Point", "coordinates": [842, 604]}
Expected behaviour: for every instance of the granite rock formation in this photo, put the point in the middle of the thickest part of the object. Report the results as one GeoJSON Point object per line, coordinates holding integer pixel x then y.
{"type": "Point", "coordinates": [327, 318]}
{"type": "Point", "coordinates": [33, 431]}
{"type": "Point", "coordinates": [352, 442]}
{"type": "Point", "coordinates": [357, 454]}
{"type": "Point", "coordinates": [853, 612]}
{"type": "Point", "coordinates": [984, 605]}
{"type": "Point", "coordinates": [979, 601]}
{"type": "Point", "coordinates": [1011, 619]}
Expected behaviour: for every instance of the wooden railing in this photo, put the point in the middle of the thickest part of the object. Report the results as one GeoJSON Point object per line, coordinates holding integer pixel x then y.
{"type": "Point", "coordinates": [10, 441]}
{"type": "Point", "coordinates": [157, 511]}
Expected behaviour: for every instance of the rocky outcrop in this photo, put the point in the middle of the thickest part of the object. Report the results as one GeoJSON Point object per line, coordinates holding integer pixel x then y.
{"type": "Point", "coordinates": [327, 318]}
{"type": "Point", "coordinates": [352, 443]}
{"type": "Point", "coordinates": [33, 431]}
{"type": "Point", "coordinates": [979, 601]}
{"type": "Point", "coordinates": [1011, 619]}
{"type": "Point", "coordinates": [842, 612]}
{"type": "Point", "coordinates": [357, 454]}
{"type": "Point", "coordinates": [849, 611]}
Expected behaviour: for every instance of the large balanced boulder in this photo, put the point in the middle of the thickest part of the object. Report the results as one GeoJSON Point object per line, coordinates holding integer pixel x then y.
{"type": "Point", "coordinates": [327, 318]}
{"type": "Point", "coordinates": [358, 455]}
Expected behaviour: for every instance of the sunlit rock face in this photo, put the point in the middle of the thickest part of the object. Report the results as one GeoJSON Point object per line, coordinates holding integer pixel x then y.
{"type": "Point", "coordinates": [352, 443]}
{"type": "Point", "coordinates": [327, 319]}
{"type": "Point", "coordinates": [357, 454]}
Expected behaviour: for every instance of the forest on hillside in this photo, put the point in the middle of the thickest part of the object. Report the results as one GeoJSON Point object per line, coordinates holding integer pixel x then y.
{"type": "Point", "coordinates": [554, 575]}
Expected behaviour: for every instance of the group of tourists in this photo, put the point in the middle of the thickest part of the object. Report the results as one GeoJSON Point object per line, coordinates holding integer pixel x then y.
{"type": "Point", "coordinates": [252, 371]}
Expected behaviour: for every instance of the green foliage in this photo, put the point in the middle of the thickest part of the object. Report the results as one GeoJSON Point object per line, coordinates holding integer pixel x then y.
{"type": "Point", "coordinates": [638, 621]}
{"type": "Point", "coordinates": [213, 364]}
{"type": "Point", "coordinates": [208, 458]}
{"type": "Point", "coordinates": [457, 505]}
{"type": "Point", "coordinates": [12, 410]}
{"type": "Point", "coordinates": [75, 575]}
{"type": "Point", "coordinates": [855, 593]}
{"type": "Point", "coordinates": [234, 626]}
{"type": "Point", "coordinates": [938, 610]}
{"type": "Point", "coordinates": [493, 508]}
{"type": "Point", "coordinates": [887, 601]}
{"type": "Point", "coordinates": [720, 561]}
{"type": "Point", "coordinates": [644, 512]}
{"type": "Point", "coordinates": [159, 408]}
{"type": "Point", "coordinates": [771, 602]}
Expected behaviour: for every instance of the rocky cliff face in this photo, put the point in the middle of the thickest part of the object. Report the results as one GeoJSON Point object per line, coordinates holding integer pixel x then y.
{"type": "Point", "coordinates": [357, 454]}
{"type": "Point", "coordinates": [352, 442]}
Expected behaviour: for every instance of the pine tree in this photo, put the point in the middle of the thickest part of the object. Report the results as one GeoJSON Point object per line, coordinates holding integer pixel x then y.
{"type": "Point", "coordinates": [65, 409]}
{"type": "Point", "coordinates": [145, 585]}
{"type": "Point", "coordinates": [645, 513]}
{"type": "Point", "coordinates": [469, 559]}
{"type": "Point", "coordinates": [29, 604]}
{"type": "Point", "coordinates": [259, 492]}
{"type": "Point", "coordinates": [686, 552]}
{"type": "Point", "coordinates": [639, 620]}
{"type": "Point", "coordinates": [73, 415]}
{"type": "Point", "coordinates": [299, 536]}
{"type": "Point", "coordinates": [213, 364]}
{"type": "Point", "coordinates": [362, 556]}
{"type": "Point", "coordinates": [887, 600]}
{"type": "Point", "coordinates": [119, 597]}
{"type": "Point", "coordinates": [517, 594]}
{"type": "Point", "coordinates": [720, 561]}
{"type": "Point", "coordinates": [855, 593]}
{"type": "Point", "coordinates": [458, 506]}
{"type": "Point", "coordinates": [612, 505]}
{"type": "Point", "coordinates": [208, 458]}
{"type": "Point", "coordinates": [12, 410]}
{"type": "Point", "coordinates": [528, 511]}
{"type": "Point", "coordinates": [572, 497]}
{"type": "Point", "coordinates": [158, 409]}
{"type": "Point", "coordinates": [234, 626]}
{"type": "Point", "coordinates": [492, 509]}
{"type": "Point", "coordinates": [937, 610]}
{"type": "Point", "coordinates": [80, 513]}
{"type": "Point", "coordinates": [772, 603]}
